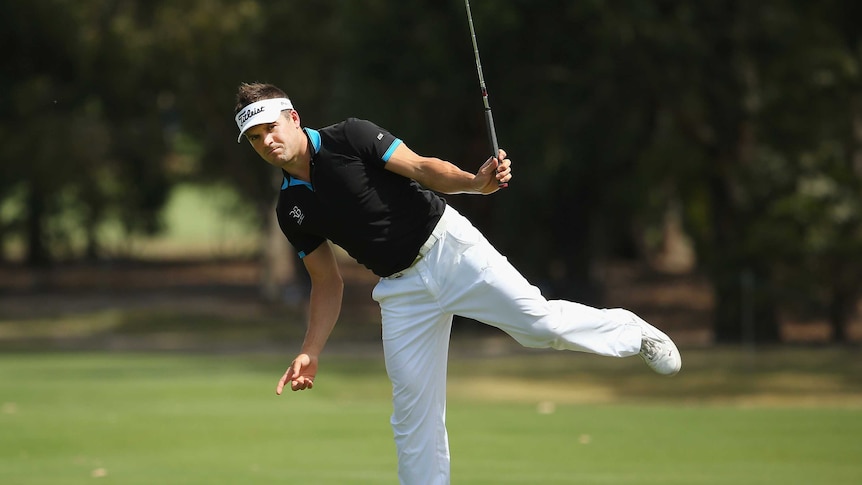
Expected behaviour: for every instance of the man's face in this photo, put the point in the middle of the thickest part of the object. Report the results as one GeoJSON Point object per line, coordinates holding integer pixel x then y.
{"type": "Point", "coordinates": [278, 142]}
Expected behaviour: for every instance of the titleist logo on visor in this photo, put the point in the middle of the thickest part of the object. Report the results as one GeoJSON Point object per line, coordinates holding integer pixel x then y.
{"type": "Point", "coordinates": [265, 111]}
{"type": "Point", "coordinates": [245, 115]}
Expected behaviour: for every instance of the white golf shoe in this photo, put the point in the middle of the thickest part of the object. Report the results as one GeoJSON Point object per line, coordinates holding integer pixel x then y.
{"type": "Point", "coordinates": [658, 350]}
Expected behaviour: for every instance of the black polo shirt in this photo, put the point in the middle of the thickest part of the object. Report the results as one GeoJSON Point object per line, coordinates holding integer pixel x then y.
{"type": "Point", "coordinates": [379, 217]}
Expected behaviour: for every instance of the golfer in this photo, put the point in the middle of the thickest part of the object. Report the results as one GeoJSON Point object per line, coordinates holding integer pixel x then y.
{"type": "Point", "coordinates": [356, 185]}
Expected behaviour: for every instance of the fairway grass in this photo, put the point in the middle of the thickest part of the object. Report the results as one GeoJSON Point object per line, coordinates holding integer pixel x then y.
{"type": "Point", "coordinates": [527, 418]}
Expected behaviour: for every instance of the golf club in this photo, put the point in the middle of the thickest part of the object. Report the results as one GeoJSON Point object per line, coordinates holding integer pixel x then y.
{"type": "Point", "coordinates": [489, 118]}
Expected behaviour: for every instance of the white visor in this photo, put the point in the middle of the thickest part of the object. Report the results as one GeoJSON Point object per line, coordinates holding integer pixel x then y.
{"type": "Point", "coordinates": [265, 111]}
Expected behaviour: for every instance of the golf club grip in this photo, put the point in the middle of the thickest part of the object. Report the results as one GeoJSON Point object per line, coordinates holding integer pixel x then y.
{"type": "Point", "coordinates": [492, 137]}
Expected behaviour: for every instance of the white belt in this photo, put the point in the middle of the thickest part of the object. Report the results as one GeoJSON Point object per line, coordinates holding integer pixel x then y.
{"type": "Point", "coordinates": [435, 235]}
{"type": "Point", "coordinates": [429, 243]}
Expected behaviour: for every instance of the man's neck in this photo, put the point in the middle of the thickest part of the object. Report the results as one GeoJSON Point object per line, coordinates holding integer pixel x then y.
{"type": "Point", "coordinates": [300, 166]}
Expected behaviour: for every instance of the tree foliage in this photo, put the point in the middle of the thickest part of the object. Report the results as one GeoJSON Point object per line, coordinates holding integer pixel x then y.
{"type": "Point", "coordinates": [746, 115]}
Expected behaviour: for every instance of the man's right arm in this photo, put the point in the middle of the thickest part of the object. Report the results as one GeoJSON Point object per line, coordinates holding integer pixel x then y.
{"type": "Point", "coordinates": [327, 288]}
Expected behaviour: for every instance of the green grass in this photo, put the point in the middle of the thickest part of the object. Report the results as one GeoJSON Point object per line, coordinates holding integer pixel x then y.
{"type": "Point", "coordinates": [529, 418]}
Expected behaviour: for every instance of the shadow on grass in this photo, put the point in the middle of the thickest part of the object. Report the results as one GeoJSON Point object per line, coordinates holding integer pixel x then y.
{"type": "Point", "coordinates": [774, 376]}
{"type": "Point", "coordinates": [492, 366]}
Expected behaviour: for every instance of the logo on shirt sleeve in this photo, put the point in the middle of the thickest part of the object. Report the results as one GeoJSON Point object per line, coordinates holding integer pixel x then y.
{"type": "Point", "coordinates": [297, 214]}
{"type": "Point", "coordinates": [379, 136]}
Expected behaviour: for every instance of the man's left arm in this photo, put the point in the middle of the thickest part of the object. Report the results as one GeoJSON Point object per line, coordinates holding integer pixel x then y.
{"type": "Point", "coordinates": [445, 177]}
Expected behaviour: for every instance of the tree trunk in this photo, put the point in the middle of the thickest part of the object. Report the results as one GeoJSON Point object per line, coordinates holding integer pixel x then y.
{"type": "Point", "coordinates": [840, 306]}
{"type": "Point", "coordinates": [277, 263]}
{"type": "Point", "coordinates": [745, 312]}
{"type": "Point", "coordinates": [37, 251]}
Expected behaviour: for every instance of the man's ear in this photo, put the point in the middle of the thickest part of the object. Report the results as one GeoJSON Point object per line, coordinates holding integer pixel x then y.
{"type": "Point", "coordinates": [294, 116]}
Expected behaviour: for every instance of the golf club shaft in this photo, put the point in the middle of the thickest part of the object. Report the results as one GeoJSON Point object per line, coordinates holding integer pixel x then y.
{"type": "Point", "coordinates": [489, 118]}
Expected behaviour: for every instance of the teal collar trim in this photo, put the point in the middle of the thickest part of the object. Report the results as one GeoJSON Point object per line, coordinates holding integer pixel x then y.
{"type": "Point", "coordinates": [288, 181]}
{"type": "Point", "coordinates": [314, 136]}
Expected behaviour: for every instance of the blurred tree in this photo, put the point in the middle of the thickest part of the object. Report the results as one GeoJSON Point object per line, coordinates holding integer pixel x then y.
{"type": "Point", "coordinates": [211, 47]}
{"type": "Point", "coordinates": [709, 83]}
{"type": "Point", "coordinates": [78, 126]}
{"type": "Point", "coordinates": [580, 115]}
{"type": "Point", "coordinates": [759, 93]}
{"type": "Point", "coordinates": [813, 126]}
{"type": "Point", "coordinates": [746, 115]}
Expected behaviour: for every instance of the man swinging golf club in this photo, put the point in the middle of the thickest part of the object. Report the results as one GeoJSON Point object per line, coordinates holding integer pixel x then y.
{"type": "Point", "coordinates": [358, 186]}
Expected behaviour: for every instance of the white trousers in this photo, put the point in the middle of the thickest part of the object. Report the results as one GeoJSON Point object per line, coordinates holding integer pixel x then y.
{"type": "Point", "coordinates": [464, 275]}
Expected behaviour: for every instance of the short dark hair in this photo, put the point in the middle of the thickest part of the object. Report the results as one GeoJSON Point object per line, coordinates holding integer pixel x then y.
{"type": "Point", "coordinates": [248, 93]}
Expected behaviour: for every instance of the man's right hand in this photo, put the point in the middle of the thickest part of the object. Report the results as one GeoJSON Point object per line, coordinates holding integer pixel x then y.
{"type": "Point", "coordinates": [300, 374]}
